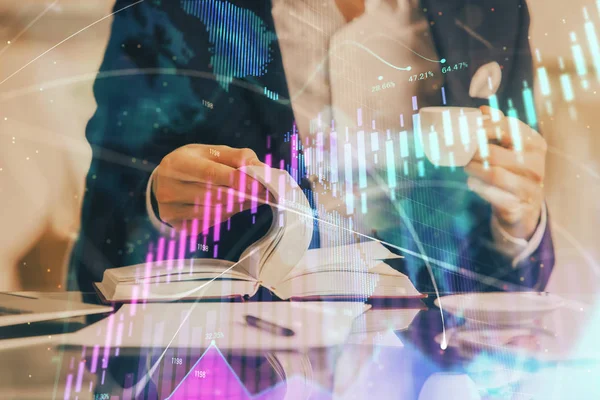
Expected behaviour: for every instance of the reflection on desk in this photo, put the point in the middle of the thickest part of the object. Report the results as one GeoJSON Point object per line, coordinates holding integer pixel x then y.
{"type": "Point", "coordinates": [202, 360]}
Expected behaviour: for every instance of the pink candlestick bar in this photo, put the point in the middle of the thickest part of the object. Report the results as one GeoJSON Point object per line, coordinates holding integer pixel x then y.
{"type": "Point", "coordinates": [268, 162]}
{"type": "Point", "coordinates": [108, 342]}
{"type": "Point", "coordinates": [171, 251]}
{"type": "Point", "coordinates": [281, 189]}
{"type": "Point", "coordinates": [68, 385]}
{"type": "Point", "coordinates": [147, 273]}
{"type": "Point", "coordinates": [134, 299]}
{"type": "Point", "coordinates": [160, 250]}
{"type": "Point", "coordinates": [242, 189]}
{"type": "Point", "coordinates": [206, 220]}
{"type": "Point", "coordinates": [218, 211]}
{"type": "Point", "coordinates": [294, 158]}
{"type": "Point", "coordinates": [95, 352]}
{"type": "Point", "coordinates": [230, 193]}
{"type": "Point", "coordinates": [194, 235]}
{"type": "Point", "coordinates": [181, 251]}
{"type": "Point", "coordinates": [254, 203]}
{"type": "Point", "coordinates": [333, 156]}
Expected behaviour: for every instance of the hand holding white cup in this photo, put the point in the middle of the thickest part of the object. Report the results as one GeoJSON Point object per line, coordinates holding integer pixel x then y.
{"type": "Point", "coordinates": [451, 135]}
{"type": "Point", "coordinates": [503, 157]}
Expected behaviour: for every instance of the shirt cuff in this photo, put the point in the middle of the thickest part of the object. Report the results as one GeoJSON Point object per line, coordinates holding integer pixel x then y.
{"type": "Point", "coordinates": [518, 249]}
{"type": "Point", "coordinates": [158, 224]}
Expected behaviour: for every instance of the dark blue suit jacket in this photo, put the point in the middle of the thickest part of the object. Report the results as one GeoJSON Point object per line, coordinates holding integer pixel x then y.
{"type": "Point", "coordinates": [150, 90]}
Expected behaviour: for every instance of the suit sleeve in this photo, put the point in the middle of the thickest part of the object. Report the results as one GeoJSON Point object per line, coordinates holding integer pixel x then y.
{"type": "Point", "coordinates": [521, 273]}
{"type": "Point", "coordinates": [468, 30]}
{"type": "Point", "coordinates": [149, 93]}
{"type": "Point", "coordinates": [143, 113]}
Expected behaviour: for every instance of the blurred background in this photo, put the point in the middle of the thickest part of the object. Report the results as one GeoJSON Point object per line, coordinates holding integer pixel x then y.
{"type": "Point", "coordinates": [46, 104]}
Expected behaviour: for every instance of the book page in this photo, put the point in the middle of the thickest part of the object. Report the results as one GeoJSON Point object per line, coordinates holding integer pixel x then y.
{"type": "Point", "coordinates": [208, 289]}
{"type": "Point", "coordinates": [177, 269]}
{"type": "Point", "coordinates": [357, 257]}
{"type": "Point", "coordinates": [204, 289]}
{"type": "Point", "coordinates": [172, 280]}
{"type": "Point", "coordinates": [345, 283]}
{"type": "Point", "coordinates": [275, 255]}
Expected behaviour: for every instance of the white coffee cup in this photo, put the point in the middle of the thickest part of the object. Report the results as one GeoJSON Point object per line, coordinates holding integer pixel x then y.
{"type": "Point", "coordinates": [450, 134]}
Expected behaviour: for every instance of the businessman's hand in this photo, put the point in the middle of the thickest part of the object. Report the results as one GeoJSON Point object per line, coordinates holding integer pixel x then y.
{"type": "Point", "coordinates": [201, 182]}
{"type": "Point", "coordinates": [513, 182]}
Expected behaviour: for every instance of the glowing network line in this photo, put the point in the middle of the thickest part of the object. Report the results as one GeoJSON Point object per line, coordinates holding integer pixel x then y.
{"type": "Point", "coordinates": [144, 380]}
{"type": "Point", "coordinates": [439, 263]}
{"type": "Point", "coordinates": [36, 19]}
{"type": "Point", "coordinates": [120, 73]}
{"type": "Point", "coordinates": [178, 72]}
{"type": "Point", "coordinates": [371, 52]}
{"type": "Point", "coordinates": [379, 34]}
{"type": "Point", "coordinates": [329, 55]}
{"type": "Point", "coordinates": [364, 48]}
{"type": "Point", "coordinates": [425, 258]}
{"type": "Point", "coordinates": [214, 355]}
{"type": "Point", "coordinates": [447, 266]}
{"type": "Point", "coordinates": [421, 254]}
{"type": "Point", "coordinates": [208, 75]}
{"type": "Point", "coordinates": [211, 351]}
{"type": "Point", "coordinates": [68, 38]}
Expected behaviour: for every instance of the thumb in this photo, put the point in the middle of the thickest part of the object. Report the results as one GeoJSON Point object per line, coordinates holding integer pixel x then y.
{"type": "Point", "coordinates": [495, 114]}
{"type": "Point", "coordinates": [487, 110]}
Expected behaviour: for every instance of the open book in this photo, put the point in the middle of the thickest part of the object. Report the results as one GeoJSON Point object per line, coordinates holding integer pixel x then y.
{"type": "Point", "coordinates": [280, 261]}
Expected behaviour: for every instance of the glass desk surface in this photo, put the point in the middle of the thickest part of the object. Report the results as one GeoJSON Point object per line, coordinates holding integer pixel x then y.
{"type": "Point", "coordinates": [391, 352]}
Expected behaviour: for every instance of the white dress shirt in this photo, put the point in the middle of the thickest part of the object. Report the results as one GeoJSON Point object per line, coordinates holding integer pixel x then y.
{"type": "Point", "coordinates": [329, 77]}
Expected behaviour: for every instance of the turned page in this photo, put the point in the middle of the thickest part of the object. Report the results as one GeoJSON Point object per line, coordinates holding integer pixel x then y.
{"type": "Point", "coordinates": [272, 257]}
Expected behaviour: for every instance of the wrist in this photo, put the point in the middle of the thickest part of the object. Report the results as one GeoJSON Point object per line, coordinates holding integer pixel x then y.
{"type": "Point", "coordinates": [524, 228]}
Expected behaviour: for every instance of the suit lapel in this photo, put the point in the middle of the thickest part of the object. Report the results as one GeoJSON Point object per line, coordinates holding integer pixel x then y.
{"type": "Point", "coordinates": [273, 117]}
{"type": "Point", "coordinates": [473, 31]}
{"type": "Point", "coordinates": [493, 28]}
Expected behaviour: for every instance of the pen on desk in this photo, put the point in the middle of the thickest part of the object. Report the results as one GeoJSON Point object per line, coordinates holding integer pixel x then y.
{"type": "Point", "coordinates": [268, 326]}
